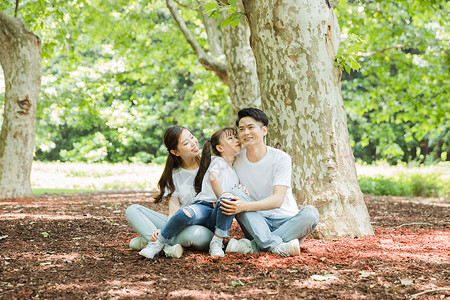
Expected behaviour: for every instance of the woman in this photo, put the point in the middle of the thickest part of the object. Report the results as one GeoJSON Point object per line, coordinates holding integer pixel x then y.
{"type": "Point", "coordinates": [177, 185]}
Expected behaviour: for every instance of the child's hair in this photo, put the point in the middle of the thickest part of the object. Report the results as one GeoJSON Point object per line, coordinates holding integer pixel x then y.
{"type": "Point", "coordinates": [206, 154]}
{"type": "Point", "coordinates": [255, 113]}
{"type": "Point", "coordinates": [171, 139]}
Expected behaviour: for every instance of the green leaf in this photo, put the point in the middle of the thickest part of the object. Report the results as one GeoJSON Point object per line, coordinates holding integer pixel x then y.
{"type": "Point", "coordinates": [2, 237]}
{"type": "Point", "coordinates": [237, 283]}
{"type": "Point", "coordinates": [232, 3]}
{"type": "Point", "coordinates": [45, 234]}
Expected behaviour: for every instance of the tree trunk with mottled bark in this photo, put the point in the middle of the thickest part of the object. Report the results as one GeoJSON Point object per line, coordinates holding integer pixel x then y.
{"type": "Point", "coordinates": [295, 45]}
{"type": "Point", "coordinates": [20, 58]}
{"type": "Point", "coordinates": [243, 80]}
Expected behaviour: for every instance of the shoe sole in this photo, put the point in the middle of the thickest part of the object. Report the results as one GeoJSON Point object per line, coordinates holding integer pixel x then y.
{"type": "Point", "coordinates": [177, 251]}
{"type": "Point", "coordinates": [228, 249]}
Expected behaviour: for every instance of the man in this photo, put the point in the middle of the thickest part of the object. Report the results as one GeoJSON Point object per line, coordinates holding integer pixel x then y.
{"type": "Point", "coordinates": [270, 218]}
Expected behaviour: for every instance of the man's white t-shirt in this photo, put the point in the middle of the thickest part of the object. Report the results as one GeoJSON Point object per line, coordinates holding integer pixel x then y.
{"type": "Point", "coordinates": [183, 181]}
{"type": "Point", "coordinates": [259, 177]}
{"type": "Point", "coordinates": [227, 176]}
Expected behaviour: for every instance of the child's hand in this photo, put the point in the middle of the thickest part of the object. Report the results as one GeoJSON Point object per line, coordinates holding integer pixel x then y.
{"type": "Point", "coordinates": [154, 236]}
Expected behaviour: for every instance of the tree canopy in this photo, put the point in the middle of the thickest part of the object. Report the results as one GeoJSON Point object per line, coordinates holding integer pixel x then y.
{"type": "Point", "coordinates": [117, 73]}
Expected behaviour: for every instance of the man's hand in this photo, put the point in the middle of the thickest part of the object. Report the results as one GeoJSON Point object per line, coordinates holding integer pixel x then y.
{"type": "Point", "coordinates": [233, 206]}
{"type": "Point", "coordinates": [154, 236]}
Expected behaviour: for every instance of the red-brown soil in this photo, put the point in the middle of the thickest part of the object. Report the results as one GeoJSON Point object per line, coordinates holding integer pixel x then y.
{"type": "Point", "coordinates": [76, 247]}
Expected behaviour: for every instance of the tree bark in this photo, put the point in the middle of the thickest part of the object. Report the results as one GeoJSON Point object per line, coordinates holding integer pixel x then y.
{"type": "Point", "coordinates": [295, 44]}
{"type": "Point", "coordinates": [20, 57]}
{"type": "Point", "coordinates": [243, 80]}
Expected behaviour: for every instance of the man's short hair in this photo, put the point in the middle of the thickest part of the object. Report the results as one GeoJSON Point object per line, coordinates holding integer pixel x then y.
{"type": "Point", "coordinates": [255, 113]}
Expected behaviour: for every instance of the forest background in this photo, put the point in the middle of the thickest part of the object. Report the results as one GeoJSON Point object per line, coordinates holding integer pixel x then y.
{"type": "Point", "coordinates": [117, 73]}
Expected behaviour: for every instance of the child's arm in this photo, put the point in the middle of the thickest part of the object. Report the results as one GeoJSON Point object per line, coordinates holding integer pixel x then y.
{"type": "Point", "coordinates": [216, 186]}
{"type": "Point", "coordinates": [174, 205]}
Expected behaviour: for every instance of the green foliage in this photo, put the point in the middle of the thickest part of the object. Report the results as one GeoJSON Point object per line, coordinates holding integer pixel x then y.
{"type": "Point", "coordinates": [113, 80]}
{"type": "Point", "coordinates": [117, 73]}
{"type": "Point", "coordinates": [424, 185]}
{"type": "Point", "coordinates": [214, 9]}
{"type": "Point", "coordinates": [346, 57]}
{"type": "Point", "coordinates": [397, 104]}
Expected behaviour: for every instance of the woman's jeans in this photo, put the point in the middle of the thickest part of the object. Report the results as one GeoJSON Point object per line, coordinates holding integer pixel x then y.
{"type": "Point", "coordinates": [268, 232]}
{"type": "Point", "coordinates": [146, 221]}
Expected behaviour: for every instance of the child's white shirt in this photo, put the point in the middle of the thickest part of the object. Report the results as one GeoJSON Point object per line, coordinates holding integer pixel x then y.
{"type": "Point", "coordinates": [227, 177]}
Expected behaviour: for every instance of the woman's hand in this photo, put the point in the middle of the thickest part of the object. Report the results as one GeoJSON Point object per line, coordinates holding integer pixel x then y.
{"type": "Point", "coordinates": [233, 206]}
{"type": "Point", "coordinates": [154, 236]}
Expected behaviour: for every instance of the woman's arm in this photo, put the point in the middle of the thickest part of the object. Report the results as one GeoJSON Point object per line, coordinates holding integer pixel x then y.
{"type": "Point", "coordinates": [214, 180]}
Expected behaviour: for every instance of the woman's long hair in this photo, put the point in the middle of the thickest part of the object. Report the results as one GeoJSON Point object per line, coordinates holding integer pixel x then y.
{"type": "Point", "coordinates": [206, 154]}
{"type": "Point", "coordinates": [171, 139]}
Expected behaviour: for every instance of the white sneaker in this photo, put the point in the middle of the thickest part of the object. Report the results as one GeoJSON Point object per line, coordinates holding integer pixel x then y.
{"type": "Point", "coordinates": [291, 248]}
{"type": "Point", "coordinates": [174, 251]}
{"type": "Point", "coordinates": [138, 243]}
{"type": "Point", "coordinates": [152, 249]}
{"type": "Point", "coordinates": [215, 248]}
{"type": "Point", "coordinates": [239, 246]}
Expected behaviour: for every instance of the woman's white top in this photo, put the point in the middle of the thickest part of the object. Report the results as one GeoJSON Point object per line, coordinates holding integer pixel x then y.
{"type": "Point", "coordinates": [227, 176]}
{"type": "Point", "coordinates": [183, 181]}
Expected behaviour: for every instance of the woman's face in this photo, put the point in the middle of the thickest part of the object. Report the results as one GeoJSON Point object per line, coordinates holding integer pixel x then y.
{"type": "Point", "coordinates": [187, 146]}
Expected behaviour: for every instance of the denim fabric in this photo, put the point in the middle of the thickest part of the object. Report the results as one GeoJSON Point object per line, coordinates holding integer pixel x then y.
{"type": "Point", "coordinates": [200, 213]}
{"type": "Point", "coordinates": [146, 221]}
{"type": "Point", "coordinates": [223, 222]}
{"type": "Point", "coordinates": [266, 233]}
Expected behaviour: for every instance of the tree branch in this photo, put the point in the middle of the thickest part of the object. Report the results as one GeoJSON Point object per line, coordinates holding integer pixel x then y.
{"type": "Point", "coordinates": [17, 7]}
{"type": "Point", "coordinates": [371, 53]}
{"type": "Point", "coordinates": [183, 5]}
{"type": "Point", "coordinates": [208, 62]}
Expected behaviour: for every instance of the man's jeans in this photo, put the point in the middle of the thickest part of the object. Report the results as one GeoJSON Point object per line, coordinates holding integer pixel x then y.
{"type": "Point", "coordinates": [266, 233]}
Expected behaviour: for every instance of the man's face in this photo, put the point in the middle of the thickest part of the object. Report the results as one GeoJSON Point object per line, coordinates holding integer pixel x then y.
{"type": "Point", "coordinates": [251, 132]}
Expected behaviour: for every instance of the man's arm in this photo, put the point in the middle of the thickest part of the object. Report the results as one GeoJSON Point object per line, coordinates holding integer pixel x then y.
{"type": "Point", "coordinates": [236, 205]}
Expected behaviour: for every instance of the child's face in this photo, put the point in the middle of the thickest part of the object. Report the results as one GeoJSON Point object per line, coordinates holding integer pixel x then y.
{"type": "Point", "coordinates": [230, 144]}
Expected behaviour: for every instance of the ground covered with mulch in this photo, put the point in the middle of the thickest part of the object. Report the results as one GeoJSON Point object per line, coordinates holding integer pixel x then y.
{"type": "Point", "coordinates": [76, 247]}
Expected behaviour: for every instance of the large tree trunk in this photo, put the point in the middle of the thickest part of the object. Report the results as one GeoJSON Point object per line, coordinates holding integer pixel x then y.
{"type": "Point", "coordinates": [295, 44]}
{"type": "Point", "coordinates": [20, 57]}
{"type": "Point", "coordinates": [243, 80]}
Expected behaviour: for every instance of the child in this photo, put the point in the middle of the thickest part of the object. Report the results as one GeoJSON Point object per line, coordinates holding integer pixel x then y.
{"type": "Point", "coordinates": [215, 175]}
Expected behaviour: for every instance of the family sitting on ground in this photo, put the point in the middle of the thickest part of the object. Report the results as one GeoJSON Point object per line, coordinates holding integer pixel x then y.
{"type": "Point", "coordinates": [205, 193]}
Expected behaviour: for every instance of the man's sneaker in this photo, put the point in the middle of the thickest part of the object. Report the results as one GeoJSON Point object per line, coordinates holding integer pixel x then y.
{"type": "Point", "coordinates": [239, 246]}
{"type": "Point", "coordinates": [291, 248]}
{"type": "Point", "coordinates": [152, 249]}
{"type": "Point", "coordinates": [215, 248]}
{"type": "Point", "coordinates": [174, 251]}
{"type": "Point", "coordinates": [138, 243]}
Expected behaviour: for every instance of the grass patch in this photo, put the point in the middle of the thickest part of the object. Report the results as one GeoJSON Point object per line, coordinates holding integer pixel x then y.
{"type": "Point", "coordinates": [404, 184]}
{"type": "Point", "coordinates": [61, 191]}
